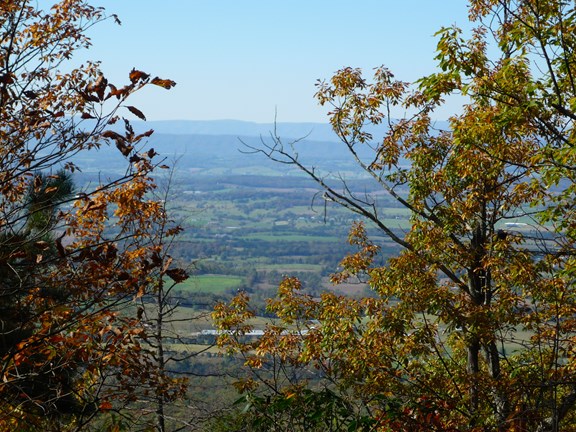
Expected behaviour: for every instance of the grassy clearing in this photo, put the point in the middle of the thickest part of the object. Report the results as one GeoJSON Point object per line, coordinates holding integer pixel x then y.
{"type": "Point", "coordinates": [216, 284]}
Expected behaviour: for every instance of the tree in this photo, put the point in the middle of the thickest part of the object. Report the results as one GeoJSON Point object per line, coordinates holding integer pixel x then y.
{"type": "Point", "coordinates": [472, 327]}
{"type": "Point", "coordinates": [39, 218]}
{"type": "Point", "coordinates": [70, 264]}
{"type": "Point", "coordinates": [165, 385]}
{"type": "Point", "coordinates": [41, 200]}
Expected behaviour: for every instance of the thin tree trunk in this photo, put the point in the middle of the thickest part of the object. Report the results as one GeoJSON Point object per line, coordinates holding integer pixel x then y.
{"type": "Point", "coordinates": [501, 402]}
{"type": "Point", "coordinates": [473, 370]}
{"type": "Point", "coordinates": [160, 421]}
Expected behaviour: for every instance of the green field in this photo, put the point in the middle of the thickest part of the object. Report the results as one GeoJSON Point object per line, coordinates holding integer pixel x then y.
{"type": "Point", "coordinates": [271, 237]}
{"type": "Point", "coordinates": [215, 284]}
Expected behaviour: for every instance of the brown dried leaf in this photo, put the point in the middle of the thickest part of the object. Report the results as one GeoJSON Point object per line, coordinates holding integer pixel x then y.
{"type": "Point", "coordinates": [98, 87]}
{"type": "Point", "coordinates": [136, 112]}
{"type": "Point", "coordinates": [113, 135]}
{"type": "Point", "coordinates": [145, 134]}
{"type": "Point", "coordinates": [115, 92]}
{"type": "Point", "coordinates": [136, 75]}
{"type": "Point", "coordinates": [177, 275]}
{"type": "Point", "coordinates": [124, 149]}
{"type": "Point", "coordinates": [167, 84]}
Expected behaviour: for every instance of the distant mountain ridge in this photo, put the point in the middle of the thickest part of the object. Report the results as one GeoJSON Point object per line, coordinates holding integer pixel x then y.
{"type": "Point", "coordinates": [223, 143]}
{"type": "Point", "coordinates": [285, 130]}
{"type": "Point", "coordinates": [313, 131]}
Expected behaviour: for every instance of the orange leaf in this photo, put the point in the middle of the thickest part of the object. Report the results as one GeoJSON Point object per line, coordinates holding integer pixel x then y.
{"type": "Point", "coordinates": [115, 92]}
{"type": "Point", "coordinates": [136, 75]}
{"type": "Point", "coordinates": [105, 406]}
{"type": "Point", "coordinates": [167, 84]}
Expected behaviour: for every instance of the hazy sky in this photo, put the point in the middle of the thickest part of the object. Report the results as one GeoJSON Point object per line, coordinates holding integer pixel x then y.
{"type": "Point", "coordinates": [244, 59]}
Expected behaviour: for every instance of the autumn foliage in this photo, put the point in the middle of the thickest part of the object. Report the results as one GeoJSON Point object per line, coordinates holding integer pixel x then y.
{"type": "Point", "coordinates": [72, 256]}
{"type": "Point", "coordinates": [471, 326]}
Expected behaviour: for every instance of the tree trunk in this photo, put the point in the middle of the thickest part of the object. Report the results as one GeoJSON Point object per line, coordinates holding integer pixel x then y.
{"type": "Point", "coordinates": [473, 370]}
{"type": "Point", "coordinates": [501, 402]}
{"type": "Point", "coordinates": [160, 361]}
{"type": "Point", "coordinates": [480, 287]}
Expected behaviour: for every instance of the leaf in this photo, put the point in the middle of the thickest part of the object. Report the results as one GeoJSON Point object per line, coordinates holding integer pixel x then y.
{"type": "Point", "coordinates": [174, 231]}
{"type": "Point", "coordinates": [136, 112]}
{"type": "Point", "coordinates": [105, 406]}
{"type": "Point", "coordinates": [91, 206]}
{"type": "Point", "coordinates": [177, 275]}
{"type": "Point", "coordinates": [142, 135]}
{"type": "Point", "coordinates": [136, 75]}
{"type": "Point", "coordinates": [148, 133]}
{"type": "Point", "coordinates": [167, 84]}
{"type": "Point", "coordinates": [42, 244]}
{"type": "Point", "coordinates": [115, 92]}
{"type": "Point", "coordinates": [98, 87]}
{"type": "Point", "coordinates": [124, 149]}
{"type": "Point", "coordinates": [113, 135]}
{"type": "Point", "coordinates": [168, 262]}
{"type": "Point", "coordinates": [89, 97]}
{"type": "Point", "coordinates": [59, 247]}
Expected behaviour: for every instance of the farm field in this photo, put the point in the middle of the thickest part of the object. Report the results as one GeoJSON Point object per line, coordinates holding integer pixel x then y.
{"type": "Point", "coordinates": [210, 283]}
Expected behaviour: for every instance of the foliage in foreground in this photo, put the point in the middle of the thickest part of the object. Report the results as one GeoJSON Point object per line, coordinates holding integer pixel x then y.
{"type": "Point", "coordinates": [473, 323]}
{"type": "Point", "coordinates": [72, 257]}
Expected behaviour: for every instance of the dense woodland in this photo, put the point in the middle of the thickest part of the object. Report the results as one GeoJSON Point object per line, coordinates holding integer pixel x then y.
{"type": "Point", "coordinates": [422, 283]}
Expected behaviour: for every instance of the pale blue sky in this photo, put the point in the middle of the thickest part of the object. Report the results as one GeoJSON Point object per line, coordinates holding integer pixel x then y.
{"type": "Point", "coordinates": [242, 59]}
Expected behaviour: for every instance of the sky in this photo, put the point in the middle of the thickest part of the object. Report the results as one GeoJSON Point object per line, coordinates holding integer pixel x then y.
{"type": "Point", "coordinates": [257, 60]}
